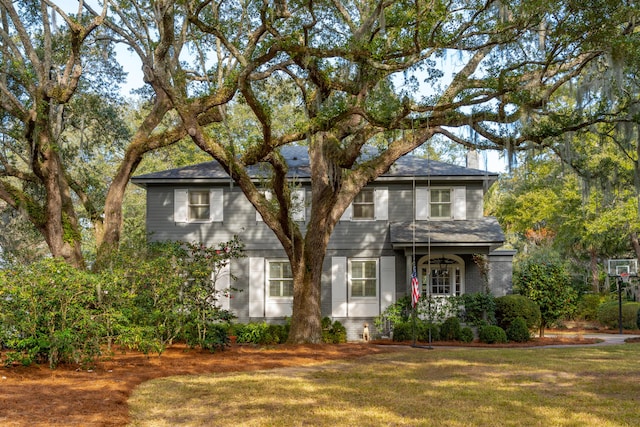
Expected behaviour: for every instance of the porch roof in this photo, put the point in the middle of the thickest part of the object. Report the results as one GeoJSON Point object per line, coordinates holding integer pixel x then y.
{"type": "Point", "coordinates": [473, 232]}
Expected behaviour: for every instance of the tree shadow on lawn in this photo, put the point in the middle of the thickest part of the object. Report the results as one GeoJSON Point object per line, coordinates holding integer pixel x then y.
{"type": "Point", "coordinates": [410, 387]}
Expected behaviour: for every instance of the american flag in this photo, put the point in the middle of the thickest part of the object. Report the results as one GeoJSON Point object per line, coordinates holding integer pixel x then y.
{"type": "Point", "coordinates": [415, 288]}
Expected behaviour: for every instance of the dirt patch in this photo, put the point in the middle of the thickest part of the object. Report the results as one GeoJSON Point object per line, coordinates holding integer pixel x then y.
{"type": "Point", "coordinates": [37, 395]}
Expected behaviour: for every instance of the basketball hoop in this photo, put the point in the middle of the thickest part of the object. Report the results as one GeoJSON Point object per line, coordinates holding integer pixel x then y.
{"type": "Point", "coordinates": [625, 277]}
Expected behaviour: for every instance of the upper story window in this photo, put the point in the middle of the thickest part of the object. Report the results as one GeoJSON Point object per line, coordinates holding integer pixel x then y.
{"type": "Point", "coordinates": [440, 203]}
{"type": "Point", "coordinates": [363, 205]}
{"type": "Point", "coordinates": [364, 278]}
{"type": "Point", "coordinates": [198, 205]}
{"type": "Point", "coordinates": [369, 205]}
{"type": "Point", "coordinates": [280, 279]}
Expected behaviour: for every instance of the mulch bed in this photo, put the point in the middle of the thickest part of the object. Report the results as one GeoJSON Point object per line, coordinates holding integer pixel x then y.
{"type": "Point", "coordinates": [38, 396]}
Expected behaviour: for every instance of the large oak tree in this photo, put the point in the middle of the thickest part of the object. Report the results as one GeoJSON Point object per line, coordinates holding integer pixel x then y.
{"type": "Point", "coordinates": [374, 71]}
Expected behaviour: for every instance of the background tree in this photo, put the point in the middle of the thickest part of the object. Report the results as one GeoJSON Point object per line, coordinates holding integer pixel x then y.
{"type": "Point", "coordinates": [362, 73]}
{"type": "Point", "coordinates": [545, 280]}
{"type": "Point", "coordinates": [68, 149]}
{"type": "Point", "coordinates": [40, 72]}
{"type": "Point", "coordinates": [544, 203]}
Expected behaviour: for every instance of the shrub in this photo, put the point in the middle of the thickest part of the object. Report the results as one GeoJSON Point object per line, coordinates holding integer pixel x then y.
{"type": "Point", "coordinates": [518, 330]}
{"type": "Point", "coordinates": [214, 337]}
{"type": "Point", "coordinates": [479, 308]}
{"type": "Point", "coordinates": [544, 278]}
{"type": "Point", "coordinates": [450, 330]}
{"type": "Point", "coordinates": [608, 314]}
{"type": "Point", "coordinates": [262, 333]}
{"type": "Point", "coordinates": [48, 314]}
{"type": "Point", "coordinates": [424, 328]}
{"type": "Point", "coordinates": [466, 334]}
{"type": "Point", "coordinates": [333, 332]}
{"type": "Point", "coordinates": [403, 331]}
{"type": "Point", "coordinates": [588, 307]}
{"type": "Point", "coordinates": [510, 307]}
{"type": "Point", "coordinates": [492, 334]}
{"type": "Point", "coordinates": [397, 312]}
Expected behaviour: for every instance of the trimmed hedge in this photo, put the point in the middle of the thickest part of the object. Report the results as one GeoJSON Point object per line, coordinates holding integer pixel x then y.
{"type": "Point", "coordinates": [451, 329]}
{"type": "Point", "coordinates": [510, 307]}
{"type": "Point", "coordinates": [403, 331]}
{"type": "Point", "coordinates": [491, 334]}
{"type": "Point", "coordinates": [333, 332]}
{"type": "Point", "coordinates": [608, 314]}
{"type": "Point", "coordinates": [518, 331]}
{"type": "Point", "coordinates": [466, 334]}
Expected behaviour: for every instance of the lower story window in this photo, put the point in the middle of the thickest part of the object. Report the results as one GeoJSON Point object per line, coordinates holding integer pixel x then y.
{"type": "Point", "coordinates": [364, 278]}
{"type": "Point", "coordinates": [280, 279]}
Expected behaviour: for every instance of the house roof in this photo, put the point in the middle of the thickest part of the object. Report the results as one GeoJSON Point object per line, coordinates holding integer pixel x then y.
{"type": "Point", "coordinates": [473, 232]}
{"type": "Point", "coordinates": [407, 167]}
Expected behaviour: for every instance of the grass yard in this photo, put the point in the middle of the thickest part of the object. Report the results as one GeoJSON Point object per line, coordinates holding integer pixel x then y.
{"type": "Point", "coordinates": [585, 386]}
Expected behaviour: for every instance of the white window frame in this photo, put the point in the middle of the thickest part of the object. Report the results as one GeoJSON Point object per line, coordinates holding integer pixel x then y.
{"type": "Point", "coordinates": [351, 279]}
{"type": "Point", "coordinates": [194, 207]}
{"type": "Point", "coordinates": [182, 205]}
{"type": "Point", "coordinates": [268, 279]}
{"type": "Point", "coordinates": [357, 202]}
{"type": "Point", "coordinates": [458, 200]}
{"type": "Point", "coordinates": [380, 206]}
{"type": "Point", "coordinates": [433, 203]}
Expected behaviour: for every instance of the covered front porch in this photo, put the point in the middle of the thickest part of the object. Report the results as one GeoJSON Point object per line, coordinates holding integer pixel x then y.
{"type": "Point", "coordinates": [454, 257]}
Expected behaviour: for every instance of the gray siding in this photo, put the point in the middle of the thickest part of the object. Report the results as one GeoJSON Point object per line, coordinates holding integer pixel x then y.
{"type": "Point", "coordinates": [501, 272]}
{"type": "Point", "coordinates": [366, 239]}
{"type": "Point", "coordinates": [240, 218]}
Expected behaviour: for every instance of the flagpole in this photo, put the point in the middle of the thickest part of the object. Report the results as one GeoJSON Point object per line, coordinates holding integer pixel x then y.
{"type": "Point", "coordinates": [414, 276]}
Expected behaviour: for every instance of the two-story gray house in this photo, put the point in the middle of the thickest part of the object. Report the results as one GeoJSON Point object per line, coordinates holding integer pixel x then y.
{"type": "Point", "coordinates": [421, 210]}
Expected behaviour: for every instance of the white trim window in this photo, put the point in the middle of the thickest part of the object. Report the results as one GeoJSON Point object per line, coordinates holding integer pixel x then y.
{"type": "Point", "coordinates": [363, 278]}
{"type": "Point", "coordinates": [440, 203]}
{"type": "Point", "coordinates": [364, 205]}
{"type": "Point", "coordinates": [371, 204]}
{"type": "Point", "coordinates": [279, 279]}
{"type": "Point", "coordinates": [198, 205]}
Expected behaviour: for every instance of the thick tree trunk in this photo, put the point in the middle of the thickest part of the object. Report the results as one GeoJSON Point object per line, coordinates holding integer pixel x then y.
{"type": "Point", "coordinates": [307, 261]}
{"type": "Point", "coordinates": [60, 227]}
{"type": "Point", "coordinates": [306, 319]}
{"type": "Point", "coordinates": [107, 230]}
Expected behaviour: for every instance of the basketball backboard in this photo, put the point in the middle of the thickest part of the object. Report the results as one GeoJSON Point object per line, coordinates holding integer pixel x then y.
{"type": "Point", "coordinates": [622, 267]}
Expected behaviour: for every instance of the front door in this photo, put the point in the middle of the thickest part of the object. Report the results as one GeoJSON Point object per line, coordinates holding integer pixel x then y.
{"type": "Point", "coordinates": [441, 277]}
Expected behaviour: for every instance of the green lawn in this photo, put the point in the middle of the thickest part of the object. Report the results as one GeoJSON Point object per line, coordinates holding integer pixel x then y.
{"type": "Point", "coordinates": [586, 386]}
